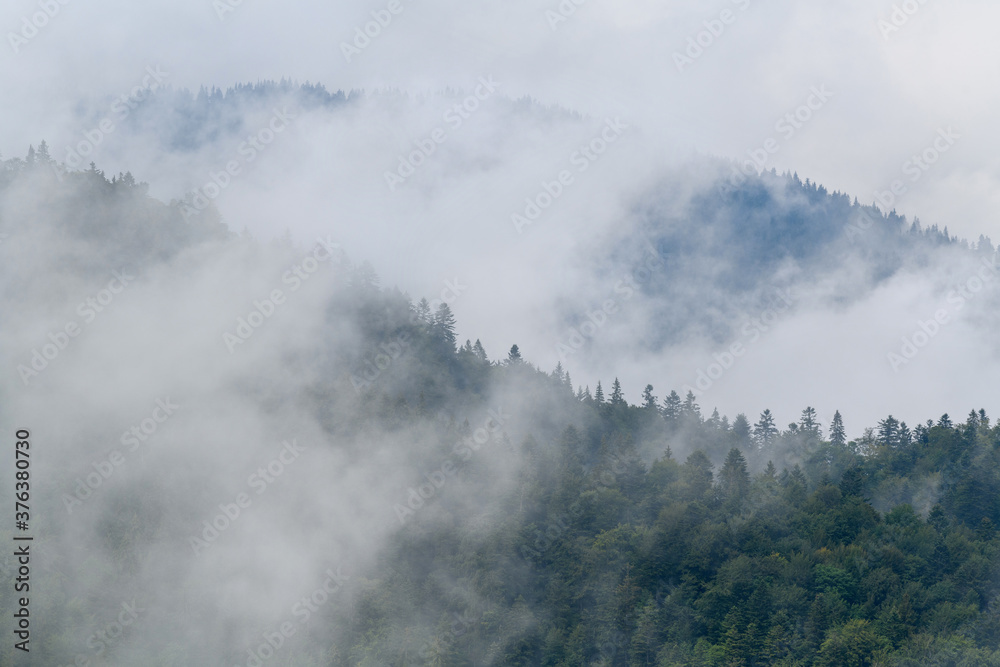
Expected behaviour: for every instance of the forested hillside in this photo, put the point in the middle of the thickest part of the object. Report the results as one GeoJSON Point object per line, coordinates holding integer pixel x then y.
{"type": "Point", "coordinates": [653, 534]}
{"type": "Point", "coordinates": [539, 522]}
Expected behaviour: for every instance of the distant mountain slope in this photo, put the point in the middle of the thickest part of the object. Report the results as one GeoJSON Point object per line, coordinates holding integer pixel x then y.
{"type": "Point", "coordinates": [558, 527]}
{"type": "Point", "coordinates": [728, 249]}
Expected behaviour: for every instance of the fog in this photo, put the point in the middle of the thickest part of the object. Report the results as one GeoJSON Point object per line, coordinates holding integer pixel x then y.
{"type": "Point", "coordinates": [537, 171]}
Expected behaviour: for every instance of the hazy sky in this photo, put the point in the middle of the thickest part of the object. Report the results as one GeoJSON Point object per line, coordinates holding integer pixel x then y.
{"type": "Point", "coordinates": [885, 86]}
{"type": "Point", "coordinates": [892, 89]}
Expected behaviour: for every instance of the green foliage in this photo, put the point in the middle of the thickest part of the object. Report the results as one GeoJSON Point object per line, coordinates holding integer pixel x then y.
{"type": "Point", "coordinates": [723, 559]}
{"type": "Point", "coordinates": [752, 547]}
{"type": "Point", "coordinates": [720, 558]}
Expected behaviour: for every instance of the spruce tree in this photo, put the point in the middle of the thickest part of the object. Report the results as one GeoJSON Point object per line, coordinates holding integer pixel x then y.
{"type": "Point", "coordinates": [672, 407]}
{"type": "Point", "coordinates": [648, 400]}
{"type": "Point", "coordinates": [697, 474]}
{"type": "Point", "coordinates": [888, 432]}
{"type": "Point", "coordinates": [514, 356]}
{"type": "Point", "coordinates": [557, 373]}
{"type": "Point", "coordinates": [617, 398]}
{"type": "Point", "coordinates": [734, 480]}
{"type": "Point", "coordinates": [691, 410]}
{"type": "Point", "coordinates": [444, 325]}
{"type": "Point", "coordinates": [423, 311]}
{"type": "Point", "coordinates": [764, 431]}
{"type": "Point", "coordinates": [809, 424]}
{"type": "Point", "coordinates": [837, 436]}
{"type": "Point", "coordinates": [741, 430]}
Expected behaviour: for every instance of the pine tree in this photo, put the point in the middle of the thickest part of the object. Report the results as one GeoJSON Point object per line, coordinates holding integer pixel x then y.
{"type": "Point", "coordinates": [888, 432]}
{"type": "Point", "coordinates": [599, 394]}
{"type": "Point", "coordinates": [557, 373]}
{"type": "Point", "coordinates": [691, 410]}
{"type": "Point", "coordinates": [514, 356]}
{"type": "Point", "coordinates": [444, 325]}
{"type": "Point", "coordinates": [734, 480]}
{"type": "Point", "coordinates": [905, 435]}
{"type": "Point", "coordinates": [365, 278]}
{"type": "Point", "coordinates": [742, 430]}
{"type": "Point", "coordinates": [697, 474]}
{"type": "Point", "coordinates": [672, 407]}
{"type": "Point", "coordinates": [648, 399]}
{"type": "Point", "coordinates": [480, 351]}
{"type": "Point", "coordinates": [852, 482]}
{"type": "Point", "coordinates": [764, 431]}
{"type": "Point", "coordinates": [617, 399]}
{"type": "Point", "coordinates": [837, 436]}
{"type": "Point", "coordinates": [808, 423]}
{"type": "Point", "coordinates": [972, 424]}
{"type": "Point", "coordinates": [423, 311]}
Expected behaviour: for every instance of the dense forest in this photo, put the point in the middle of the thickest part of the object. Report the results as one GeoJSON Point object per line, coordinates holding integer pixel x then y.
{"type": "Point", "coordinates": [611, 549]}
{"type": "Point", "coordinates": [569, 526]}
